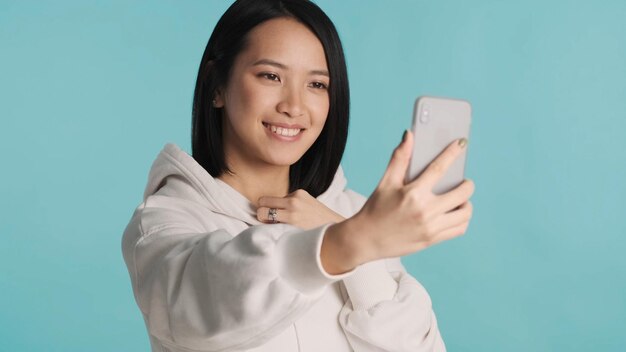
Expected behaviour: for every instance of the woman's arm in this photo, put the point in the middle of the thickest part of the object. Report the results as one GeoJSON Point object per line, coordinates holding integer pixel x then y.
{"type": "Point", "coordinates": [400, 219]}
{"type": "Point", "coordinates": [212, 291]}
{"type": "Point", "coordinates": [396, 220]}
{"type": "Point", "coordinates": [388, 310]}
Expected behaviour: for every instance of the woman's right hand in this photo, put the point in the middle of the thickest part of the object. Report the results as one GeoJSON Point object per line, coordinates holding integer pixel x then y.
{"type": "Point", "coordinates": [398, 218]}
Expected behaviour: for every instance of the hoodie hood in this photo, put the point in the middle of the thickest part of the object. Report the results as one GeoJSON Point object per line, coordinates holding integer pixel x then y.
{"type": "Point", "coordinates": [177, 174]}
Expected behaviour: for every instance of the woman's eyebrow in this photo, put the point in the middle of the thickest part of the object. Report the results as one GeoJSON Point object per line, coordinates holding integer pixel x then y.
{"type": "Point", "coordinates": [284, 67]}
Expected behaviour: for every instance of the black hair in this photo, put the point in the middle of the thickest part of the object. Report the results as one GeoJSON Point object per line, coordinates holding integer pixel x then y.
{"type": "Point", "coordinates": [316, 168]}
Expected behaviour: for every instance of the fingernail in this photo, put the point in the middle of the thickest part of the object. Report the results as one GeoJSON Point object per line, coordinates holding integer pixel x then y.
{"type": "Point", "coordinates": [404, 135]}
{"type": "Point", "coordinates": [462, 142]}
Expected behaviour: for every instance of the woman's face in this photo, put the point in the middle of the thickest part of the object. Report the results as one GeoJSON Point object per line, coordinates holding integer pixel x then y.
{"type": "Point", "coordinates": [276, 99]}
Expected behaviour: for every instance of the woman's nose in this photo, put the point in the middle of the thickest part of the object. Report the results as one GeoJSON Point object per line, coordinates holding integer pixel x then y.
{"type": "Point", "coordinates": [291, 103]}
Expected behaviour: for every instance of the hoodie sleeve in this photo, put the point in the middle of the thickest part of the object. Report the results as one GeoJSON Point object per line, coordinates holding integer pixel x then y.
{"type": "Point", "coordinates": [212, 291]}
{"type": "Point", "coordinates": [386, 308]}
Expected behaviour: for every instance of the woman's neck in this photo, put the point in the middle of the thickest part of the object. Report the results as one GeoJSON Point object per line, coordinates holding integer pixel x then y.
{"type": "Point", "coordinates": [257, 181]}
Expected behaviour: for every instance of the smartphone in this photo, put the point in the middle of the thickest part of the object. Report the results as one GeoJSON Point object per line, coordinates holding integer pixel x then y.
{"type": "Point", "coordinates": [437, 122]}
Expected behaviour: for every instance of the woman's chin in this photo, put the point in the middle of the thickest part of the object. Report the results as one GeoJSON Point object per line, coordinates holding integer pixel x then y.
{"type": "Point", "coordinates": [284, 160]}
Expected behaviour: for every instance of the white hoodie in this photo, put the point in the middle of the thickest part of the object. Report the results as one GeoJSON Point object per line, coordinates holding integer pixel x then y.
{"type": "Point", "coordinates": [208, 276]}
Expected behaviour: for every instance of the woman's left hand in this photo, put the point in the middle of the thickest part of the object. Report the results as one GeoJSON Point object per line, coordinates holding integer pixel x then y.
{"type": "Point", "coordinates": [299, 209]}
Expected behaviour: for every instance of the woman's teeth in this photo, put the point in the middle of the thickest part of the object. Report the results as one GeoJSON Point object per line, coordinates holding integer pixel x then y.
{"type": "Point", "coordinates": [288, 132]}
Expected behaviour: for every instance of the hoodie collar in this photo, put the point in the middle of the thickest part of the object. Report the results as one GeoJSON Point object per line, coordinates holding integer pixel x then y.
{"type": "Point", "coordinates": [218, 196]}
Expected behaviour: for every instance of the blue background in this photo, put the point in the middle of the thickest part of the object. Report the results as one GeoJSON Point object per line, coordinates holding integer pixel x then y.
{"type": "Point", "coordinates": [91, 90]}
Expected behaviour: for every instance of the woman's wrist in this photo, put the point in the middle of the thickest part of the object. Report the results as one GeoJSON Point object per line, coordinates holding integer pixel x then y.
{"type": "Point", "coordinates": [343, 249]}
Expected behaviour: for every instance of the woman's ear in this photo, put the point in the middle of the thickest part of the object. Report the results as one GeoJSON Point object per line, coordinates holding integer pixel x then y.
{"type": "Point", "coordinates": [218, 99]}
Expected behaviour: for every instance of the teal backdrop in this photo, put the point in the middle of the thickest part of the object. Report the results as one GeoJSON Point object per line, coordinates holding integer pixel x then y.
{"type": "Point", "coordinates": [90, 91]}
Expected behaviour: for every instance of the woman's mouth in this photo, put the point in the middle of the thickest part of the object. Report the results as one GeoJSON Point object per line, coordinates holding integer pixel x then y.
{"type": "Point", "coordinates": [282, 131]}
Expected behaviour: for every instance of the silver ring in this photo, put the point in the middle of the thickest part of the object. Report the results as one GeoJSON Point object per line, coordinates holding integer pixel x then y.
{"type": "Point", "coordinates": [272, 214]}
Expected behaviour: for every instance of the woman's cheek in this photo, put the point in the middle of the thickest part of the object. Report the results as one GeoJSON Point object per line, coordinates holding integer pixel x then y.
{"type": "Point", "coordinates": [323, 115]}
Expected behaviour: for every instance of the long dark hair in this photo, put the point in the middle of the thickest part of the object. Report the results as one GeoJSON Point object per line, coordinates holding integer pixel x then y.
{"type": "Point", "coordinates": [315, 170]}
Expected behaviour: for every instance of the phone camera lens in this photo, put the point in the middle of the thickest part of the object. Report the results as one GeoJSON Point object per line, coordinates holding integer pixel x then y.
{"type": "Point", "coordinates": [424, 117]}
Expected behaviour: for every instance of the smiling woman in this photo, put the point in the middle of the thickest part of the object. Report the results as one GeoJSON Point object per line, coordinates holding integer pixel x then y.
{"type": "Point", "coordinates": [254, 42]}
{"type": "Point", "coordinates": [255, 243]}
{"type": "Point", "coordinates": [274, 105]}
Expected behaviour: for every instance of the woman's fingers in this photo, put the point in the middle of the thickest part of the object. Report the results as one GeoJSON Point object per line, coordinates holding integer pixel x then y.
{"type": "Point", "coordinates": [399, 162]}
{"type": "Point", "coordinates": [279, 215]}
{"type": "Point", "coordinates": [440, 165]}
{"type": "Point", "coordinates": [452, 219]}
{"type": "Point", "coordinates": [284, 206]}
{"type": "Point", "coordinates": [449, 233]}
{"type": "Point", "coordinates": [273, 209]}
{"type": "Point", "coordinates": [298, 208]}
{"type": "Point", "coordinates": [454, 198]}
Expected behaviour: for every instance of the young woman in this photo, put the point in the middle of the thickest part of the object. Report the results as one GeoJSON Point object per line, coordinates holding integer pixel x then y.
{"type": "Point", "coordinates": [255, 243]}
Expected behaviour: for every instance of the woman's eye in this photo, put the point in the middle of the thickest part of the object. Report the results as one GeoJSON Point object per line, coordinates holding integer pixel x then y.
{"type": "Point", "coordinates": [319, 85]}
{"type": "Point", "coordinates": [270, 76]}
